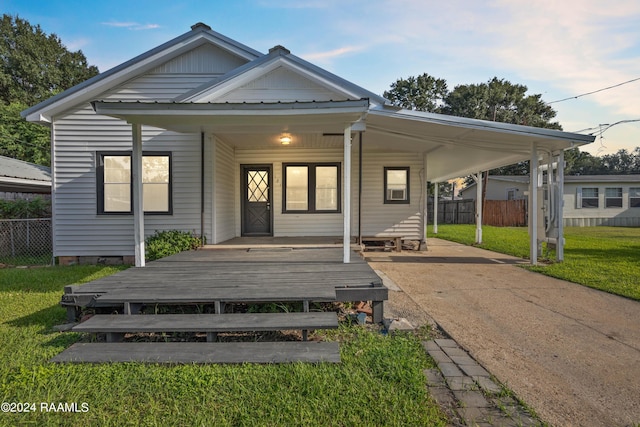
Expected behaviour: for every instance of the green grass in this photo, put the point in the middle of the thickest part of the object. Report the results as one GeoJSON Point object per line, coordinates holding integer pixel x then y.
{"type": "Point", "coordinates": [605, 258]}
{"type": "Point", "coordinates": [380, 380]}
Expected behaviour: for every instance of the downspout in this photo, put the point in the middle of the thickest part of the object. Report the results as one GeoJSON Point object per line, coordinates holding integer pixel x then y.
{"type": "Point", "coordinates": [202, 189]}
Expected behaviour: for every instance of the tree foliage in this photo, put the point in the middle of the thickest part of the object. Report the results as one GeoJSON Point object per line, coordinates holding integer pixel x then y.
{"type": "Point", "coordinates": [496, 100]}
{"type": "Point", "coordinates": [422, 93]}
{"type": "Point", "coordinates": [502, 101]}
{"type": "Point", "coordinates": [622, 162]}
{"type": "Point", "coordinates": [33, 67]}
{"type": "Point", "coordinates": [22, 140]}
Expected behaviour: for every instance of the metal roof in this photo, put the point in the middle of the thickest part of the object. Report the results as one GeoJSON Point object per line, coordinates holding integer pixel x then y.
{"type": "Point", "coordinates": [24, 177]}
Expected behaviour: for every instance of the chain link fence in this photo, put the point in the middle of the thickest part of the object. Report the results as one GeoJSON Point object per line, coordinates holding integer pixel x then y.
{"type": "Point", "coordinates": [26, 241]}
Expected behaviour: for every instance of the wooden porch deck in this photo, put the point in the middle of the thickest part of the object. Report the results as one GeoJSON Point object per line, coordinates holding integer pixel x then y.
{"type": "Point", "coordinates": [218, 277]}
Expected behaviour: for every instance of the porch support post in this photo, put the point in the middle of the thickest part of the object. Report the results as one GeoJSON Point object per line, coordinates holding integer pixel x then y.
{"type": "Point", "coordinates": [425, 207]}
{"type": "Point", "coordinates": [478, 180]}
{"type": "Point", "coordinates": [136, 180]}
{"type": "Point", "coordinates": [346, 206]}
{"type": "Point", "coordinates": [435, 208]}
{"type": "Point", "coordinates": [560, 207]}
{"type": "Point", "coordinates": [533, 205]}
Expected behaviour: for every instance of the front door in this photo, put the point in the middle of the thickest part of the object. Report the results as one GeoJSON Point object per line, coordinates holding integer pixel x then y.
{"type": "Point", "coordinates": [256, 200]}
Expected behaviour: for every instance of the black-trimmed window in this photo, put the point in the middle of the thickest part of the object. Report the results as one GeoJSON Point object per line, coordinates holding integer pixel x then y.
{"type": "Point", "coordinates": [114, 183]}
{"type": "Point", "coordinates": [311, 188]}
{"type": "Point", "coordinates": [634, 197]}
{"type": "Point", "coordinates": [396, 185]}
{"type": "Point", "coordinates": [613, 197]}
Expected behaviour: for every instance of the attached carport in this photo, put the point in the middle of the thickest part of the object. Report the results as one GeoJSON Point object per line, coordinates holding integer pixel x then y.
{"type": "Point", "coordinates": [450, 146]}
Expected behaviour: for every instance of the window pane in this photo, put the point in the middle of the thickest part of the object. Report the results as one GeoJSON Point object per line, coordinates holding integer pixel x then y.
{"type": "Point", "coordinates": [297, 192]}
{"type": "Point", "coordinates": [117, 197]}
{"type": "Point", "coordinates": [396, 184]}
{"type": "Point", "coordinates": [634, 197]}
{"type": "Point", "coordinates": [117, 169]}
{"type": "Point", "coordinates": [326, 188]}
{"type": "Point", "coordinates": [258, 186]}
{"type": "Point", "coordinates": [613, 192]}
{"type": "Point", "coordinates": [155, 197]}
{"type": "Point", "coordinates": [613, 197]}
{"type": "Point", "coordinates": [155, 169]}
{"type": "Point", "coordinates": [117, 178]}
{"type": "Point", "coordinates": [589, 192]}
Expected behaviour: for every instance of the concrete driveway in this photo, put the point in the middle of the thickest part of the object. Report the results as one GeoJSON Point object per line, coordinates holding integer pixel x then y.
{"type": "Point", "coordinates": [570, 352]}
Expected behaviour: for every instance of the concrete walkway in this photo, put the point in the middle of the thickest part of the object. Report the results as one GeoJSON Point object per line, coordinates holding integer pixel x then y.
{"type": "Point", "coordinates": [570, 352]}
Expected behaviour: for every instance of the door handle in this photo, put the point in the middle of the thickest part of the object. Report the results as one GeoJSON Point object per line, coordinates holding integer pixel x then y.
{"type": "Point", "coordinates": [268, 206]}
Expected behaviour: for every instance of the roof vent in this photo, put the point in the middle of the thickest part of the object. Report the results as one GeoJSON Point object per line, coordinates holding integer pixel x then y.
{"type": "Point", "coordinates": [200, 25]}
{"type": "Point", "coordinates": [279, 50]}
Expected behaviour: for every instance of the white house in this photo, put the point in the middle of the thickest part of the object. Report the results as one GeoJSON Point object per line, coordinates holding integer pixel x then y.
{"type": "Point", "coordinates": [215, 137]}
{"type": "Point", "coordinates": [589, 200]}
{"type": "Point", "coordinates": [500, 187]}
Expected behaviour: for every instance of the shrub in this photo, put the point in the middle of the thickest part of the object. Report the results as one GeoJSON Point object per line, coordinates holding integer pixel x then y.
{"type": "Point", "coordinates": [22, 209]}
{"type": "Point", "coordinates": [165, 243]}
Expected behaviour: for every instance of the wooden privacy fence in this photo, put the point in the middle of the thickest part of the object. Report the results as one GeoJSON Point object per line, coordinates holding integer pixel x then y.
{"type": "Point", "coordinates": [505, 213]}
{"type": "Point", "coordinates": [499, 213]}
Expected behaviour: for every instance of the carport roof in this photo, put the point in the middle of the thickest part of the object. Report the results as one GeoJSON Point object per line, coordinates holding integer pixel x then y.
{"type": "Point", "coordinates": [455, 146]}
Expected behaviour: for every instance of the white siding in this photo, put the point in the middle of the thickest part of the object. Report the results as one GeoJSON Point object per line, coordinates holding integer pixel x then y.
{"type": "Point", "coordinates": [404, 220]}
{"type": "Point", "coordinates": [325, 224]}
{"type": "Point", "coordinates": [205, 59]}
{"type": "Point", "coordinates": [158, 87]}
{"type": "Point", "coordinates": [226, 204]}
{"type": "Point", "coordinates": [589, 217]}
{"type": "Point", "coordinates": [80, 133]}
{"type": "Point", "coordinates": [282, 85]}
{"type": "Point", "coordinates": [78, 228]}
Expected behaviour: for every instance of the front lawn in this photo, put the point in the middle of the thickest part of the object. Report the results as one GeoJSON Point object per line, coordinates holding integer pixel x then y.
{"type": "Point", "coordinates": [605, 258]}
{"type": "Point", "coordinates": [380, 380]}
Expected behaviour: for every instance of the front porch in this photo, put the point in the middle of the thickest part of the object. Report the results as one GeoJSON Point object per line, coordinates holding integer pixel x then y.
{"type": "Point", "coordinates": [218, 276]}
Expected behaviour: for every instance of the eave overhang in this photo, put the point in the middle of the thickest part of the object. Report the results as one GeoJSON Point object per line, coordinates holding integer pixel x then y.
{"type": "Point", "coordinates": [198, 117]}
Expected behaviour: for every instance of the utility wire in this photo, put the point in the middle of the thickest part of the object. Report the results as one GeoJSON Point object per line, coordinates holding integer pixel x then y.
{"type": "Point", "coordinates": [602, 127]}
{"type": "Point", "coordinates": [595, 91]}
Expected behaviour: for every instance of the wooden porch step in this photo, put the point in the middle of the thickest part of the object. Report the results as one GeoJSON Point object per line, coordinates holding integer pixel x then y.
{"type": "Point", "coordinates": [202, 353]}
{"type": "Point", "coordinates": [236, 322]}
{"type": "Point", "coordinates": [167, 295]}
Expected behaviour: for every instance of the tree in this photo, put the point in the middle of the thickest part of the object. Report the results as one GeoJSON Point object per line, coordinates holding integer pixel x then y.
{"type": "Point", "coordinates": [422, 93]}
{"type": "Point", "coordinates": [33, 67]}
{"type": "Point", "coordinates": [22, 140]}
{"type": "Point", "coordinates": [499, 100]}
{"type": "Point", "coordinates": [496, 100]}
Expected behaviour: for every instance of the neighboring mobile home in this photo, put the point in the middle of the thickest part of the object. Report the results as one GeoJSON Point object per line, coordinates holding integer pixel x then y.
{"type": "Point", "coordinates": [589, 200]}
{"type": "Point", "coordinates": [205, 134]}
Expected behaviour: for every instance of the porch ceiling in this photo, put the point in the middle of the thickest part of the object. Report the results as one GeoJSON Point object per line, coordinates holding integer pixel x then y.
{"type": "Point", "coordinates": [454, 146]}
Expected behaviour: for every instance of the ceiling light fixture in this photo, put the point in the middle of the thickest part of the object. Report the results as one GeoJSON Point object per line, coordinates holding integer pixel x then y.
{"type": "Point", "coordinates": [285, 140]}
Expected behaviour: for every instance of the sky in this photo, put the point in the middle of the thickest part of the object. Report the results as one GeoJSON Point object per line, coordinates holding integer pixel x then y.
{"type": "Point", "coordinates": [557, 49]}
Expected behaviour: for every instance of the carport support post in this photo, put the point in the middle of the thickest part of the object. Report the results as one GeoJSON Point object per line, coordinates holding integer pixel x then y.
{"type": "Point", "coordinates": [346, 206]}
{"type": "Point", "coordinates": [560, 208]}
{"type": "Point", "coordinates": [425, 207]}
{"type": "Point", "coordinates": [478, 179]}
{"type": "Point", "coordinates": [533, 205]}
{"type": "Point", "coordinates": [136, 180]}
{"type": "Point", "coordinates": [435, 208]}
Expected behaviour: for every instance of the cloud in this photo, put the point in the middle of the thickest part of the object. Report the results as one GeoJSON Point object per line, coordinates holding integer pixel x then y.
{"type": "Point", "coordinates": [135, 26]}
{"type": "Point", "coordinates": [77, 44]}
{"type": "Point", "coordinates": [331, 54]}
